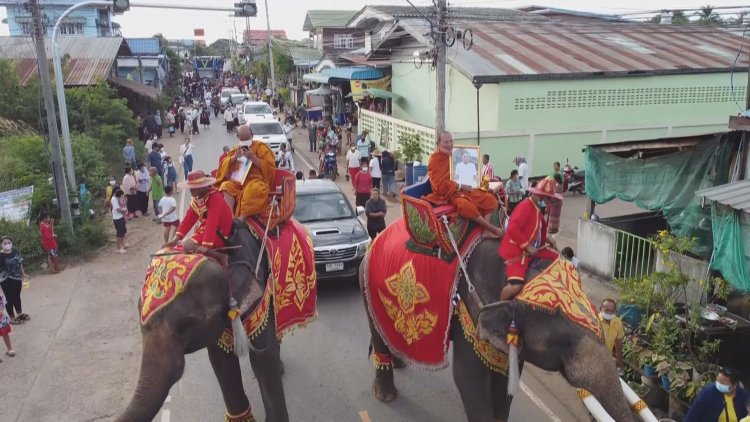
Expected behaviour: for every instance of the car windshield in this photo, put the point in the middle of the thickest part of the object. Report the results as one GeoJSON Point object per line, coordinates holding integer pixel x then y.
{"type": "Point", "coordinates": [271, 128]}
{"type": "Point", "coordinates": [321, 207]}
{"type": "Point", "coordinates": [258, 109]}
{"type": "Point", "coordinates": [229, 92]}
{"type": "Point", "coordinates": [238, 98]}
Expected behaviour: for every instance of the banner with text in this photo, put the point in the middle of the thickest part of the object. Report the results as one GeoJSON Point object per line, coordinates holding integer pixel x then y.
{"type": "Point", "coordinates": [16, 204]}
{"type": "Point", "coordinates": [359, 86]}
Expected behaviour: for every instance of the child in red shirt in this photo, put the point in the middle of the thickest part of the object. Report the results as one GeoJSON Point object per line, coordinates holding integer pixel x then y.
{"type": "Point", "coordinates": [49, 242]}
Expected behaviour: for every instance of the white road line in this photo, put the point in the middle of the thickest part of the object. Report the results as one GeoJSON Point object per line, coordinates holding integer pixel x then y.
{"type": "Point", "coordinates": [165, 414]}
{"type": "Point", "coordinates": [306, 161]}
{"type": "Point", "coordinates": [539, 403]}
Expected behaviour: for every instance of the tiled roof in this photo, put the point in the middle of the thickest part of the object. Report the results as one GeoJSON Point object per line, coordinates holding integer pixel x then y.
{"type": "Point", "coordinates": [144, 46]}
{"type": "Point", "coordinates": [262, 35]}
{"type": "Point", "coordinates": [89, 58]}
{"type": "Point", "coordinates": [327, 19]}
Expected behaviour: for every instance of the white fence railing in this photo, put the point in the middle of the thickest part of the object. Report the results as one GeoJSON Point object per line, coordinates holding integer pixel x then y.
{"type": "Point", "coordinates": [386, 130]}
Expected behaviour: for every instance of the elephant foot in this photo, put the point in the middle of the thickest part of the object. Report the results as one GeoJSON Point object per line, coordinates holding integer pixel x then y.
{"type": "Point", "coordinates": [398, 363]}
{"type": "Point", "coordinates": [384, 391]}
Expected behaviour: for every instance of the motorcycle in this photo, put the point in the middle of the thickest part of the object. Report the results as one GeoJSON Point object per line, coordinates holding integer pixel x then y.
{"type": "Point", "coordinates": [574, 180]}
{"type": "Point", "coordinates": [330, 169]}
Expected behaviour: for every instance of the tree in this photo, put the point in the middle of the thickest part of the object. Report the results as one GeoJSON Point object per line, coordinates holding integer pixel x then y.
{"type": "Point", "coordinates": [679, 18]}
{"type": "Point", "coordinates": [739, 20]}
{"type": "Point", "coordinates": [18, 102]}
{"type": "Point", "coordinates": [221, 47]}
{"type": "Point", "coordinates": [282, 63]}
{"type": "Point", "coordinates": [708, 16]}
{"type": "Point", "coordinates": [655, 19]}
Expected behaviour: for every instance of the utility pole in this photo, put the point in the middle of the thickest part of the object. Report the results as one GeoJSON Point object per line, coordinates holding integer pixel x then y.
{"type": "Point", "coordinates": [270, 53]}
{"type": "Point", "coordinates": [439, 41]}
{"type": "Point", "coordinates": [57, 165]}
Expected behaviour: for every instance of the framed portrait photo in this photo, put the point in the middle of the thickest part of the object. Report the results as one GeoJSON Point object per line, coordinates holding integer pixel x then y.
{"type": "Point", "coordinates": [465, 165]}
{"type": "Point", "coordinates": [240, 174]}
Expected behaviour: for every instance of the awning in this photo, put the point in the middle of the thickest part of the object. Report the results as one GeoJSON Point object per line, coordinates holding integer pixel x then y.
{"type": "Point", "coordinates": [350, 73]}
{"type": "Point", "coordinates": [380, 93]}
{"type": "Point", "coordinates": [735, 195]}
{"type": "Point", "coordinates": [316, 77]}
{"type": "Point", "coordinates": [322, 91]}
{"type": "Point", "coordinates": [137, 88]}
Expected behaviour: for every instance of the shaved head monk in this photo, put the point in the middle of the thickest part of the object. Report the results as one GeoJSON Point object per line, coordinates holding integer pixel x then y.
{"type": "Point", "coordinates": [474, 204]}
{"type": "Point", "coordinates": [246, 190]}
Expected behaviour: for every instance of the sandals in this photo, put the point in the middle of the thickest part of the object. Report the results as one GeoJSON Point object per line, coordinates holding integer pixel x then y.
{"type": "Point", "coordinates": [24, 317]}
{"type": "Point", "coordinates": [10, 353]}
{"type": "Point", "coordinates": [16, 321]}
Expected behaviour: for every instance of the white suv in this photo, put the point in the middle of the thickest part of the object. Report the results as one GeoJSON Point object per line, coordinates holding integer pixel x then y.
{"type": "Point", "coordinates": [269, 131]}
{"type": "Point", "coordinates": [255, 110]}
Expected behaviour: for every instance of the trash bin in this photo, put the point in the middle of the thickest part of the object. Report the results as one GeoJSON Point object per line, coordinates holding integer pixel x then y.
{"type": "Point", "coordinates": [420, 172]}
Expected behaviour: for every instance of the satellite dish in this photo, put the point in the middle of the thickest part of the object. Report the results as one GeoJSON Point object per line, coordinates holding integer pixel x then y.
{"type": "Point", "coordinates": [370, 24]}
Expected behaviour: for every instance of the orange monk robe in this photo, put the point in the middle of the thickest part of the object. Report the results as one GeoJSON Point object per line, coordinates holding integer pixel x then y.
{"type": "Point", "coordinates": [469, 204]}
{"type": "Point", "coordinates": [252, 196]}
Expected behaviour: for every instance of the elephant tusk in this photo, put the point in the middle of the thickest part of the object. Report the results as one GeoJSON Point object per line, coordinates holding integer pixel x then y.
{"type": "Point", "coordinates": [637, 403]}
{"type": "Point", "coordinates": [594, 407]}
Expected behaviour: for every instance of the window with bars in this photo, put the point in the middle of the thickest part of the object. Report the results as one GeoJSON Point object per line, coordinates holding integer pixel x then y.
{"type": "Point", "coordinates": [343, 41]}
{"type": "Point", "coordinates": [631, 97]}
{"type": "Point", "coordinates": [72, 28]}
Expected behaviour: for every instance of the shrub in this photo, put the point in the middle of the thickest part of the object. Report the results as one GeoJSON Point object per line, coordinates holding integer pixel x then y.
{"type": "Point", "coordinates": [27, 240]}
{"type": "Point", "coordinates": [89, 236]}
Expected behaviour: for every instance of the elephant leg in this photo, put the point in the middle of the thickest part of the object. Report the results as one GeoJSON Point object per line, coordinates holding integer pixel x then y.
{"type": "Point", "coordinates": [472, 377]}
{"type": "Point", "coordinates": [500, 399]}
{"type": "Point", "coordinates": [227, 369]}
{"type": "Point", "coordinates": [383, 388]}
{"type": "Point", "coordinates": [266, 364]}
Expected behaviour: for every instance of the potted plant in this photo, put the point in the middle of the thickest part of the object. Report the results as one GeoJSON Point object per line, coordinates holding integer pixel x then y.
{"type": "Point", "coordinates": [410, 149]}
{"type": "Point", "coordinates": [400, 172]}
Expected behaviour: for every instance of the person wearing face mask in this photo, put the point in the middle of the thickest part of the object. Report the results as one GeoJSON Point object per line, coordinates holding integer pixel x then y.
{"type": "Point", "coordinates": [722, 401]}
{"type": "Point", "coordinates": [208, 210]}
{"type": "Point", "coordinates": [526, 238]}
{"type": "Point", "coordinates": [12, 275]}
{"type": "Point", "coordinates": [362, 184]}
{"type": "Point", "coordinates": [108, 193]}
{"type": "Point", "coordinates": [613, 331]}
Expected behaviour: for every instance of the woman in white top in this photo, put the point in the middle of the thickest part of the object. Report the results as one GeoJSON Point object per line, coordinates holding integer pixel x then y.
{"type": "Point", "coordinates": [186, 157]}
{"type": "Point", "coordinates": [375, 171]}
{"type": "Point", "coordinates": [118, 218]}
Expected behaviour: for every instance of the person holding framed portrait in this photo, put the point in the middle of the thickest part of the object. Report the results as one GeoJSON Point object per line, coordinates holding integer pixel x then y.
{"type": "Point", "coordinates": [474, 204]}
{"type": "Point", "coordinates": [465, 169]}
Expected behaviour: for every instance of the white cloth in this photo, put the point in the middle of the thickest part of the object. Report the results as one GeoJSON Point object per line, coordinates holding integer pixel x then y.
{"type": "Point", "coordinates": [165, 204]}
{"type": "Point", "coordinates": [149, 145]}
{"type": "Point", "coordinates": [286, 161]}
{"type": "Point", "coordinates": [143, 183]}
{"type": "Point", "coordinates": [353, 157]}
{"type": "Point", "coordinates": [228, 115]}
{"type": "Point", "coordinates": [116, 214]}
{"type": "Point", "coordinates": [375, 168]}
{"type": "Point", "coordinates": [523, 175]}
{"type": "Point", "coordinates": [466, 174]}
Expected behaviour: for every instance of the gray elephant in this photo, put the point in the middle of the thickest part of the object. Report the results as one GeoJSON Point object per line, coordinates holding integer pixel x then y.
{"type": "Point", "coordinates": [194, 320]}
{"type": "Point", "coordinates": [548, 342]}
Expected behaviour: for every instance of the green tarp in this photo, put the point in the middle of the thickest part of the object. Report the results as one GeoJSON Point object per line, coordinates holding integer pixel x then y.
{"type": "Point", "coordinates": [729, 246]}
{"type": "Point", "coordinates": [664, 183]}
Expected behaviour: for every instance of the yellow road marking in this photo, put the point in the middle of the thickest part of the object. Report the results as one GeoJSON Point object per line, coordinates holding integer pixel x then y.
{"type": "Point", "coordinates": [364, 416]}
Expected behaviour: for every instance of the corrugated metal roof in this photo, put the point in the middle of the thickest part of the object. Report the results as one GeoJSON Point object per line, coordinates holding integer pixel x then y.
{"type": "Point", "coordinates": [89, 58]}
{"type": "Point", "coordinates": [483, 13]}
{"type": "Point", "coordinates": [735, 195]}
{"type": "Point", "coordinates": [504, 51]}
{"type": "Point", "coordinates": [137, 87]}
{"type": "Point", "coordinates": [327, 19]}
{"type": "Point", "coordinates": [144, 46]}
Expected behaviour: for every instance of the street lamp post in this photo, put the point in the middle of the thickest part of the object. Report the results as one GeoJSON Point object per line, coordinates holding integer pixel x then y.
{"type": "Point", "coordinates": [60, 86]}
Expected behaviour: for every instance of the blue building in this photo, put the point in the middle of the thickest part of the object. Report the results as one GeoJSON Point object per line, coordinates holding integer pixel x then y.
{"type": "Point", "coordinates": [147, 64]}
{"type": "Point", "coordinates": [87, 21]}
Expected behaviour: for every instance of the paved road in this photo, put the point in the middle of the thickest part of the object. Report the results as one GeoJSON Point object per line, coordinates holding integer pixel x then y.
{"type": "Point", "coordinates": [328, 375]}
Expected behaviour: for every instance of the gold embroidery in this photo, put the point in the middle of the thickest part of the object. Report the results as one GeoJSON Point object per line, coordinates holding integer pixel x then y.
{"type": "Point", "coordinates": [582, 394]}
{"type": "Point", "coordinates": [298, 285]}
{"type": "Point", "coordinates": [489, 354]}
{"type": "Point", "coordinates": [408, 293]}
{"type": "Point", "coordinates": [639, 405]}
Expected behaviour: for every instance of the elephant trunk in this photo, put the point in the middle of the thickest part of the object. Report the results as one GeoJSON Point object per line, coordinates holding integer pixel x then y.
{"type": "Point", "coordinates": [162, 363]}
{"type": "Point", "coordinates": [592, 368]}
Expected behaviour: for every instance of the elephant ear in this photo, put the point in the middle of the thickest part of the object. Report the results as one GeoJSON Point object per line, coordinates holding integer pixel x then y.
{"type": "Point", "coordinates": [493, 323]}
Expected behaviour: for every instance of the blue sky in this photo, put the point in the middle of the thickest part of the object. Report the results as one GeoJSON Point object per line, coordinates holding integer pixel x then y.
{"type": "Point", "coordinates": [290, 14]}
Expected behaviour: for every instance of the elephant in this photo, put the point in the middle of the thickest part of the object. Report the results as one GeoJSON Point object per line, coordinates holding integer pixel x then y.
{"type": "Point", "coordinates": [195, 320]}
{"type": "Point", "coordinates": [547, 342]}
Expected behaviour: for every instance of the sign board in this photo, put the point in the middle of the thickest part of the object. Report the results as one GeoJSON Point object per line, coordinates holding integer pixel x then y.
{"type": "Point", "coordinates": [16, 204]}
{"type": "Point", "coordinates": [199, 32]}
{"type": "Point", "coordinates": [359, 86]}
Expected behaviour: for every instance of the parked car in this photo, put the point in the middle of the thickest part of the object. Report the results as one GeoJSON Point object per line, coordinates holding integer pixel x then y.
{"type": "Point", "coordinates": [268, 131]}
{"type": "Point", "coordinates": [226, 94]}
{"type": "Point", "coordinates": [236, 100]}
{"type": "Point", "coordinates": [340, 240]}
{"type": "Point", "coordinates": [256, 110]}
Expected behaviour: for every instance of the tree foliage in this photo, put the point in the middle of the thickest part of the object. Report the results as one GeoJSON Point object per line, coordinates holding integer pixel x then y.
{"type": "Point", "coordinates": [707, 16]}
{"type": "Point", "coordinates": [17, 102]}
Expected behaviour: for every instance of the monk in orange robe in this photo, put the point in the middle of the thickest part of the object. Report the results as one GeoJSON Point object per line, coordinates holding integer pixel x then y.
{"type": "Point", "coordinates": [251, 196]}
{"type": "Point", "coordinates": [474, 204]}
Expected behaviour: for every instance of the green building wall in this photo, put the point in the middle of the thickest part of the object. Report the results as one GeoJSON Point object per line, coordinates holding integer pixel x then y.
{"type": "Point", "coordinates": [553, 120]}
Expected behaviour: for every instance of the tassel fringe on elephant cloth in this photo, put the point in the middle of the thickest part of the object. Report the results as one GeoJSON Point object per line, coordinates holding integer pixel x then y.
{"type": "Point", "coordinates": [410, 296]}
{"type": "Point", "coordinates": [558, 290]}
{"type": "Point", "coordinates": [291, 287]}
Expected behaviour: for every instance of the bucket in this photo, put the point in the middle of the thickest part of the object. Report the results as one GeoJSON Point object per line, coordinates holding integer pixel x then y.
{"type": "Point", "coordinates": [420, 172]}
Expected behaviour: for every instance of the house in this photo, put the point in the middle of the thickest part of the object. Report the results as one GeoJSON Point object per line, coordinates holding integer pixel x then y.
{"type": "Point", "coordinates": [147, 64]}
{"type": "Point", "coordinates": [330, 34]}
{"type": "Point", "coordinates": [257, 39]}
{"type": "Point", "coordinates": [521, 84]}
{"type": "Point", "coordinates": [92, 21]}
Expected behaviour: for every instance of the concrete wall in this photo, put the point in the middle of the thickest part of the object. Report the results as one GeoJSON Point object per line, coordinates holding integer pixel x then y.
{"type": "Point", "coordinates": [596, 248]}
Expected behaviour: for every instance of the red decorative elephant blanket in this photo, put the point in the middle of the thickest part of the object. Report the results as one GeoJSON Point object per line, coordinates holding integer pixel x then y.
{"type": "Point", "coordinates": [409, 296]}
